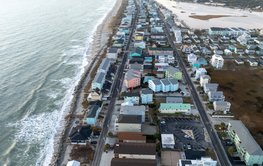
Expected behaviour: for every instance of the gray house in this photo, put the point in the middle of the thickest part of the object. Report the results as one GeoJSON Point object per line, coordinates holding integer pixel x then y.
{"type": "Point", "coordinates": [216, 96]}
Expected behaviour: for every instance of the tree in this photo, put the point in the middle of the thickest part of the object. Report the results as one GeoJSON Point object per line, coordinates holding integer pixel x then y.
{"type": "Point", "coordinates": [106, 147]}
{"type": "Point", "coordinates": [110, 134]}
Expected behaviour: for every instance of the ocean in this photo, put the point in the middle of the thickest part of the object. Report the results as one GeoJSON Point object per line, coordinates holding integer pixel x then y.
{"type": "Point", "coordinates": [43, 50]}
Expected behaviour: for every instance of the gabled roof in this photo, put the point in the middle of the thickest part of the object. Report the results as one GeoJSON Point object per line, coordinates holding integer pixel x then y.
{"type": "Point", "coordinates": [80, 133]}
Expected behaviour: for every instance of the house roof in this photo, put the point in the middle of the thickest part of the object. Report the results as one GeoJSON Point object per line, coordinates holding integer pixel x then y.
{"type": "Point", "coordinates": [205, 77]}
{"type": "Point", "coordinates": [73, 163]}
{"type": "Point", "coordinates": [168, 139]}
{"type": "Point", "coordinates": [131, 74]}
{"type": "Point", "coordinates": [105, 64]}
{"type": "Point", "coordinates": [132, 119]}
{"type": "Point", "coordinates": [135, 148]}
{"type": "Point", "coordinates": [222, 103]}
{"type": "Point", "coordinates": [93, 111]}
{"type": "Point", "coordinates": [99, 77]}
{"type": "Point", "coordinates": [247, 141]}
{"type": "Point", "coordinates": [156, 82]}
{"type": "Point", "coordinates": [216, 93]}
{"type": "Point", "coordinates": [173, 81]}
{"type": "Point", "coordinates": [147, 91]}
{"type": "Point", "coordinates": [132, 162]}
{"type": "Point", "coordinates": [174, 100]}
{"type": "Point", "coordinates": [133, 110]}
{"type": "Point", "coordinates": [131, 136]}
{"type": "Point", "coordinates": [213, 86]}
{"type": "Point", "coordinates": [165, 82]}
{"type": "Point", "coordinates": [177, 106]}
{"type": "Point", "coordinates": [131, 94]}
{"type": "Point", "coordinates": [171, 69]}
{"type": "Point", "coordinates": [113, 50]}
{"type": "Point", "coordinates": [80, 133]}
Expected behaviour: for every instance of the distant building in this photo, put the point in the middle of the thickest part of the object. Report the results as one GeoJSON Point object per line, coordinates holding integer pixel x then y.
{"type": "Point", "coordinates": [191, 58]}
{"type": "Point", "coordinates": [247, 148]}
{"type": "Point", "coordinates": [216, 96]}
{"type": "Point", "coordinates": [132, 78]}
{"type": "Point", "coordinates": [205, 161]}
{"type": "Point", "coordinates": [171, 108]}
{"type": "Point", "coordinates": [217, 61]}
{"type": "Point", "coordinates": [204, 79]}
{"type": "Point", "coordinates": [166, 59]}
{"type": "Point", "coordinates": [135, 151]}
{"type": "Point", "coordinates": [129, 123]}
{"type": "Point", "coordinates": [167, 141]}
{"type": "Point", "coordinates": [222, 106]}
{"type": "Point", "coordinates": [199, 72]}
{"type": "Point", "coordinates": [173, 72]}
{"type": "Point", "coordinates": [146, 96]}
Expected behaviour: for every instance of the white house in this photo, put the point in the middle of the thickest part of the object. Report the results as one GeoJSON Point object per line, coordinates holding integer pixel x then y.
{"type": "Point", "coordinates": [210, 87]}
{"type": "Point", "coordinates": [166, 59]}
{"type": "Point", "coordinates": [191, 58]}
{"type": "Point", "coordinates": [113, 53]}
{"type": "Point", "coordinates": [222, 106]}
{"type": "Point", "coordinates": [217, 61]}
{"type": "Point", "coordinates": [132, 97]}
{"type": "Point", "coordinates": [199, 72]}
{"type": "Point", "coordinates": [216, 96]}
{"type": "Point", "coordinates": [204, 79]}
{"type": "Point", "coordinates": [167, 141]}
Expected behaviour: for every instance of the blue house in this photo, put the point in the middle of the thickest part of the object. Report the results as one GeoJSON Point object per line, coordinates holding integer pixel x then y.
{"type": "Point", "coordinates": [136, 52]}
{"type": "Point", "coordinates": [146, 96]}
{"type": "Point", "coordinates": [93, 114]}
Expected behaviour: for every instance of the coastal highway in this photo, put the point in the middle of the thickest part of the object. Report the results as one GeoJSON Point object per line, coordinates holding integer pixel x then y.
{"type": "Point", "coordinates": [116, 88]}
{"type": "Point", "coordinates": [221, 154]}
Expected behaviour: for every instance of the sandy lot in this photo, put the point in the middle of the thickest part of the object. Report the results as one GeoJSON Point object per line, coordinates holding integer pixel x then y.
{"type": "Point", "coordinates": [236, 17]}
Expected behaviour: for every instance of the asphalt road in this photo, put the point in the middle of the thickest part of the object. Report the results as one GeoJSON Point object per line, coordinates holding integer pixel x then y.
{"type": "Point", "coordinates": [221, 154]}
{"type": "Point", "coordinates": [116, 88]}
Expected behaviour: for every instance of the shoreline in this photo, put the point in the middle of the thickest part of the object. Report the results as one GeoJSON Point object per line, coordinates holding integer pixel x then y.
{"type": "Point", "coordinates": [98, 43]}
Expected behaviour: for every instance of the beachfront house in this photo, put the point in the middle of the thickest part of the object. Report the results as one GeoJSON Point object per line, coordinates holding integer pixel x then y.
{"type": "Point", "coordinates": [113, 53]}
{"type": "Point", "coordinates": [93, 114]}
{"type": "Point", "coordinates": [98, 81]}
{"type": "Point", "coordinates": [247, 148]}
{"type": "Point", "coordinates": [80, 135]}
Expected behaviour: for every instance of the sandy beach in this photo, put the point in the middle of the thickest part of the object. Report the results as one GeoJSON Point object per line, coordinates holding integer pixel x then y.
{"type": "Point", "coordinates": [99, 43]}
{"type": "Point", "coordinates": [199, 16]}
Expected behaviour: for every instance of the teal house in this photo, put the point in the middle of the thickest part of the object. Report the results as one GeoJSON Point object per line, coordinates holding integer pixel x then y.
{"type": "Point", "coordinates": [200, 62]}
{"type": "Point", "coordinates": [136, 52]}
